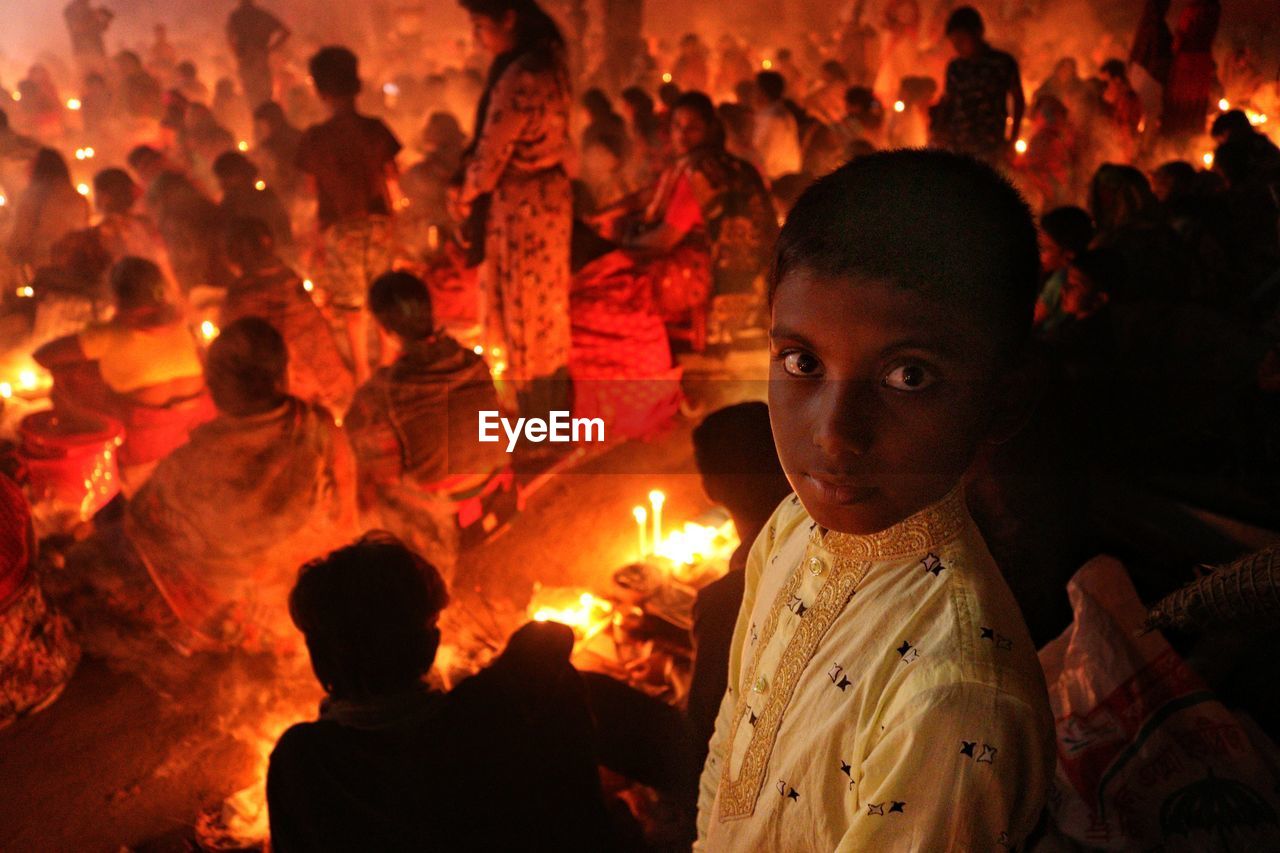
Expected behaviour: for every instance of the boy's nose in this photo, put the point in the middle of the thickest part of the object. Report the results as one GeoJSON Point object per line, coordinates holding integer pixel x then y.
{"type": "Point", "coordinates": [845, 418]}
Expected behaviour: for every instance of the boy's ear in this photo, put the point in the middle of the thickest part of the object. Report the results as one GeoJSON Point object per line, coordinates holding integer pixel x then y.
{"type": "Point", "coordinates": [1015, 396]}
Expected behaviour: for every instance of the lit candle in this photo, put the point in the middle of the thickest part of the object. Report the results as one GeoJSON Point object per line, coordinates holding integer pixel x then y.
{"type": "Point", "coordinates": [1224, 104]}
{"type": "Point", "coordinates": [260, 186]}
{"type": "Point", "coordinates": [83, 189]}
{"type": "Point", "coordinates": [208, 330]}
{"type": "Point", "coordinates": [899, 106]}
{"type": "Point", "coordinates": [73, 104]}
{"type": "Point", "coordinates": [242, 145]}
{"type": "Point", "coordinates": [641, 516]}
{"type": "Point", "coordinates": [308, 285]}
{"type": "Point", "coordinates": [1208, 159]}
{"type": "Point", "coordinates": [666, 78]}
{"type": "Point", "coordinates": [1020, 146]}
{"type": "Point", "coordinates": [6, 390]}
{"type": "Point", "coordinates": [433, 237]}
{"type": "Point", "coordinates": [657, 499]}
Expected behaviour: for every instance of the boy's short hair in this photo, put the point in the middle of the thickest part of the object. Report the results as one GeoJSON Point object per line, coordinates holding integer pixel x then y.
{"type": "Point", "coordinates": [928, 220]}
{"type": "Point", "coordinates": [246, 368]}
{"type": "Point", "coordinates": [136, 283]}
{"type": "Point", "coordinates": [736, 440]}
{"type": "Point", "coordinates": [230, 165]}
{"type": "Point", "coordinates": [335, 71]}
{"type": "Point", "coordinates": [966, 19]}
{"type": "Point", "coordinates": [115, 191]}
{"type": "Point", "coordinates": [1070, 227]}
{"type": "Point", "coordinates": [771, 84]}
{"type": "Point", "coordinates": [1115, 68]}
{"type": "Point", "coordinates": [401, 304]}
{"type": "Point", "coordinates": [368, 612]}
{"type": "Point", "coordinates": [143, 156]}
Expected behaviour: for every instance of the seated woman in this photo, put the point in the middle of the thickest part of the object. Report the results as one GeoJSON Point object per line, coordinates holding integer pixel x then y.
{"type": "Point", "coordinates": [224, 521]}
{"type": "Point", "coordinates": [37, 652]}
{"type": "Point", "coordinates": [48, 208]}
{"type": "Point", "coordinates": [393, 765]}
{"type": "Point", "coordinates": [147, 372]}
{"type": "Point", "coordinates": [413, 427]}
{"type": "Point", "coordinates": [268, 288]}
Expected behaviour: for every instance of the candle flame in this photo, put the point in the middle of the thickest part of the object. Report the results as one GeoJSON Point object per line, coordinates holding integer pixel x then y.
{"type": "Point", "coordinates": [27, 380]}
{"type": "Point", "coordinates": [242, 145]}
{"type": "Point", "coordinates": [640, 514]}
{"type": "Point", "coordinates": [308, 285]}
{"type": "Point", "coordinates": [260, 186]}
{"type": "Point", "coordinates": [83, 189]}
{"type": "Point", "coordinates": [1020, 146]}
{"type": "Point", "coordinates": [73, 104]}
{"type": "Point", "coordinates": [767, 64]}
{"type": "Point", "coordinates": [208, 330]}
{"type": "Point", "coordinates": [899, 106]}
{"type": "Point", "coordinates": [1224, 104]}
{"type": "Point", "coordinates": [6, 390]}
{"type": "Point", "coordinates": [657, 498]}
{"type": "Point", "coordinates": [666, 78]}
{"type": "Point", "coordinates": [26, 292]}
{"type": "Point", "coordinates": [1208, 159]}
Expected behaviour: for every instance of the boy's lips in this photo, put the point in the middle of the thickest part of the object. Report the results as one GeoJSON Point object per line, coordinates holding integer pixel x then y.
{"type": "Point", "coordinates": [839, 490]}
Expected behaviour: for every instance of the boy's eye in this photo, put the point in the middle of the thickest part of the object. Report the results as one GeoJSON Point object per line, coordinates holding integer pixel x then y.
{"type": "Point", "coordinates": [908, 377]}
{"type": "Point", "coordinates": [800, 363]}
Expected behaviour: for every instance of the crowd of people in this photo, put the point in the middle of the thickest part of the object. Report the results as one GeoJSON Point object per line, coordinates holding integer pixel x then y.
{"type": "Point", "coordinates": [1011, 324]}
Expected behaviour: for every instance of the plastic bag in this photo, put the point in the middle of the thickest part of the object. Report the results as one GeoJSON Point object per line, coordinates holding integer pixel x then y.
{"type": "Point", "coordinates": [1147, 757]}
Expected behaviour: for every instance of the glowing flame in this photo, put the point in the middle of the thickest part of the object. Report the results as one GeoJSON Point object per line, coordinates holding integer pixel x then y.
{"type": "Point", "coordinates": [26, 292]}
{"type": "Point", "coordinates": [767, 64]}
{"type": "Point", "coordinates": [242, 145]}
{"type": "Point", "coordinates": [478, 350]}
{"type": "Point", "coordinates": [17, 96]}
{"type": "Point", "coordinates": [73, 104]}
{"type": "Point", "coordinates": [83, 189]}
{"type": "Point", "coordinates": [695, 543]}
{"type": "Point", "coordinates": [3, 201]}
{"type": "Point", "coordinates": [6, 390]}
{"type": "Point", "coordinates": [899, 106]}
{"type": "Point", "coordinates": [260, 186]}
{"type": "Point", "coordinates": [27, 380]}
{"type": "Point", "coordinates": [1020, 146]}
{"type": "Point", "coordinates": [585, 613]}
{"type": "Point", "coordinates": [666, 78]}
{"type": "Point", "coordinates": [1224, 104]}
{"type": "Point", "coordinates": [1208, 159]}
{"type": "Point", "coordinates": [308, 285]}
{"type": "Point", "coordinates": [208, 331]}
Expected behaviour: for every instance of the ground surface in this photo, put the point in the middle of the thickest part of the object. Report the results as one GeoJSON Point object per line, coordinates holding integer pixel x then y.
{"type": "Point", "coordinates": [131, 753]}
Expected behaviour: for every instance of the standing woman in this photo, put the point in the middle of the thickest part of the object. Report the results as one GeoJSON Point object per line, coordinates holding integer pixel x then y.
{"type": "Point", "coordinates": [516, 170]}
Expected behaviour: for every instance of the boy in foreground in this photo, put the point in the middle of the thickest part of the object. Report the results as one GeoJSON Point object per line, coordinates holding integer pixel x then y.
{"type": "Point", "coordinates": [884, 693]}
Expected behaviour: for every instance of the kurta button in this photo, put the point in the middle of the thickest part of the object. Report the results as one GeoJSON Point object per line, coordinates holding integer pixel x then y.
{"type": "Point", "coordinates": [761, 685]}
{"type": "Point", "coordinates": [816, 566]}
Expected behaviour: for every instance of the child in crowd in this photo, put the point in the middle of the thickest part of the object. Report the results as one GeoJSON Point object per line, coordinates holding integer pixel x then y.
{"type": "Point", "coordinates": [1065, 232]}
{"type": "Point", "coordinates": [394, 765]}
{"type": "Point", "coordinates": [351, 160]}
{"type": "Point", "coordinates": [884, 693]}
{"type": "Point", "coordinates": [733, 449]}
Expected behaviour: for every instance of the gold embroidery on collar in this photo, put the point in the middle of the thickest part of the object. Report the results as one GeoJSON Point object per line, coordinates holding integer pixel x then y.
{"type": "Point", "coordinates": [931, 527]}
{"type": "Point", "coordinates": [738, 796]}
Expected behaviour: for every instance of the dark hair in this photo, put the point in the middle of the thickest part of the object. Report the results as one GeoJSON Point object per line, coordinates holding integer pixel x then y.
{"type": "Point", "coordinates": [335, 71]}
{"type": "Point", "coordinates": [1115, 68]}
{"type": "Point", "coordinates": [966, 20]}
{"type": "Point", "coordinates": [270, 112]}
{"type": "Point", "coordinates": [142, 156]}
{"type": "Point", "coordinates": [230, 165]}
{"type": "Point", "coordinates": [401, 304]}
{"type": "Point", "coordinates": [699, 104]}
{"type": "Point", "coordinates": [1069, 227]}
{"type": "Point", "coordinates": [368, 612]}
{"type": "Point", "coordinates": [1119, 195]}
{"type": "Point", "coordinates": [597, 103]}
{"type": "Point", "coordinates": [49, 167]}
{"type": "Point", "coordinates": [249, 240]}
{"type": "Point", "coordinates": [1234, 160]}
{"type": "Point", "coordinates": [186, 68]}
{"type": "Point", "coordinates": [668, 94]}
{"type": "Point", "coordinates": [863, 100]}
{"type": "Point", "coordinates": [639, 100]}
{"type": "Point", "coordinates": [246, 368]}
{"type": "Point", "coordinates": [835, 70]}
{"type": "Point", "coordinates": [771, 84]}
{"type": "Point", "coordinates": [929, 220]}
{"type": "Point", "coordinates": [114, 190]}
{"type": "Point", "coordinates": [4, 120]}
{"type": "Point", "coordinates": [736, 440]}
{"type": "Point", "coordinates": [1230, 123]}
{"type": "Point", "coordinates": [137, 283]}
{"type": "Point", "coordinates": [1180, 175]}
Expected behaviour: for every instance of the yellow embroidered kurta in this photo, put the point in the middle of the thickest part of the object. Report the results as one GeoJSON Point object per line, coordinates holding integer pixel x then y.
{"type": "Point", "coordinates": [883, 695]}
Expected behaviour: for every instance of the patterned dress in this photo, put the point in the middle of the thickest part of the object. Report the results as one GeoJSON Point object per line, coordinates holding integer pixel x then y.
{"type": "Point", "coordinates": [883, 695]}
{"type": "Point", "coordinates": [972, 114]}
{"type": "Point", "coordinates": [519, 159]}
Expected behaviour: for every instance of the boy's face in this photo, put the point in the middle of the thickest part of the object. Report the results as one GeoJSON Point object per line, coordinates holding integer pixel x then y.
{"type": "Point", "coordinates": [879, 397]}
